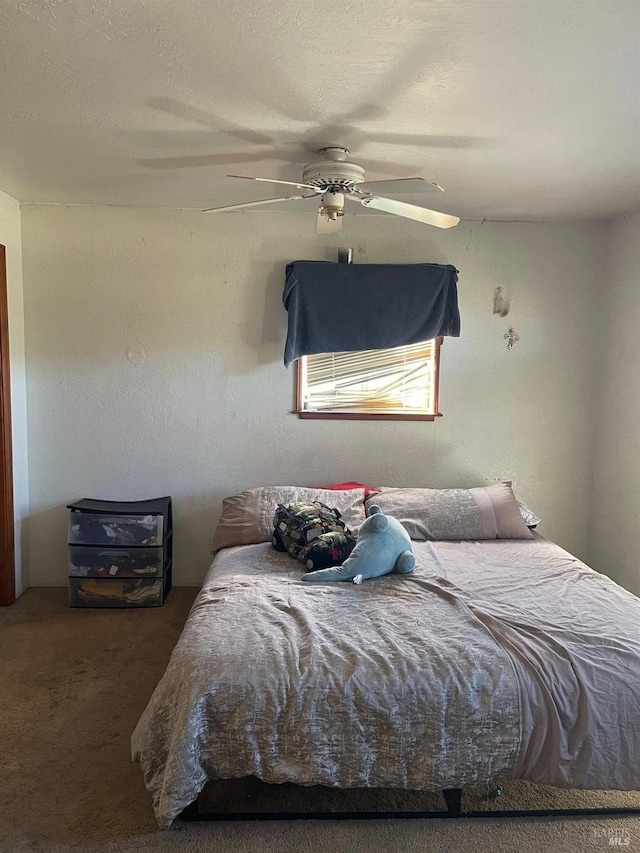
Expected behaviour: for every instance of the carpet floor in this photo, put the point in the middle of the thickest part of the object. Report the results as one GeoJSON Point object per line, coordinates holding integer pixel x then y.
{"type": "Point", "coordinates": [73, 685]}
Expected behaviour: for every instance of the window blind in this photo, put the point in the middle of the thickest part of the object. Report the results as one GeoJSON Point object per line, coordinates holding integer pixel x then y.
{"type": "Point", "coordinates": [399, 379]}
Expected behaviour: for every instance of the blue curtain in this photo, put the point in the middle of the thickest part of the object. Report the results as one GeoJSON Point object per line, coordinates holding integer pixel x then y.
{"type": "Point", "coordinates": [335, 307]}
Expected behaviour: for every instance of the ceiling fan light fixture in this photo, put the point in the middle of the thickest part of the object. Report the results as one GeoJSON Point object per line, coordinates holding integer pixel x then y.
{"type": "Point", "coordinates": [332, 205]}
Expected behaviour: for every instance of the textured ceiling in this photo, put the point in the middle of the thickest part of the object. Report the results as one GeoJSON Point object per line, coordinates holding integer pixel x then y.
{"type": "Point", "coordinates": [520, 109]}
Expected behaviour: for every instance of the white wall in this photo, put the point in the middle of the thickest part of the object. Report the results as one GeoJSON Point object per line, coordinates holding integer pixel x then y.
{"type": "Point", "coordinates": [615, 506]}
{"type": "Point", "coordinates": [10, 237]}
{"type": "Point", "coordinates": [155, 342]}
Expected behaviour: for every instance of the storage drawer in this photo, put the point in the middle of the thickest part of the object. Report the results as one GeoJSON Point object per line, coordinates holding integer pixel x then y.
{"type": "Point", "coordinates": [98, 592]}
{"type": "Point", "coordinates": [115, 562]}
{"type": "Point", "coordinates": [88, 528]}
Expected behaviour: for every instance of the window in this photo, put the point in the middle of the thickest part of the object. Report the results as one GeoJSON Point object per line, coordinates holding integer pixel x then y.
{"type": "Point", "coordinates": [399, 383]}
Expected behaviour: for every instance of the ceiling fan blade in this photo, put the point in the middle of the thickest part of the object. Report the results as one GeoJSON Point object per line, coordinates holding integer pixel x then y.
{"type": "Point", "coordinates": [274, 181]}
{"type": "Point", "coordinates": [324, 225]}
{"type": "Point", "coordinates": [255, 203]}
{"type": "Point", "coordinates": [411, 211]}
{"type": "Point", "coordinates": [400, 185]}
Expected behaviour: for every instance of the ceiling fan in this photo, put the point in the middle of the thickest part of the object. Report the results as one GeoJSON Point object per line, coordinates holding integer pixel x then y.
{"type": "Point", "coordinates": [335, 180]}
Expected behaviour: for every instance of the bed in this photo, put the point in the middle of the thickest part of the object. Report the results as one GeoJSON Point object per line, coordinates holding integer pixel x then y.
{"type": "Point", "coordinates": [496, 659]}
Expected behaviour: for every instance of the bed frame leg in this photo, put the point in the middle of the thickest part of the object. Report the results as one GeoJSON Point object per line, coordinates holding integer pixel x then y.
{"type": "Point", "coordinates": [453, 799]}
{"type": "Point", "coordinates": [191, 812]}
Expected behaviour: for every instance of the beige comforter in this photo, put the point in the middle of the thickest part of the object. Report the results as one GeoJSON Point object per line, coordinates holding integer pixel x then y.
{"type": "Point", "coordinates": [493, 660]}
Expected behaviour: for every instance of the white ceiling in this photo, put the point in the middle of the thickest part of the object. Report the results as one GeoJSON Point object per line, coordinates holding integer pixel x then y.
{"type": "Point", "coordinates": [520, 109]}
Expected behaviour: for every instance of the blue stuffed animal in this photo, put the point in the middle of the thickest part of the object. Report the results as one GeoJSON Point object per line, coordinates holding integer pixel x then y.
{"type": "Point", "coordinates": [382, 546]}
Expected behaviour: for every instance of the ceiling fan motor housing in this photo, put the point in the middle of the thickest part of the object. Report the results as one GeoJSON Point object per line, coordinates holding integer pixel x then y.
{"type": "Point", "coordinates": [332, 175]}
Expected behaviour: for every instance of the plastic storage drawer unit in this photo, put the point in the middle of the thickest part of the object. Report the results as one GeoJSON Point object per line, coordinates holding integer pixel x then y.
{"type": "Point", "coordinates": [119, 553]}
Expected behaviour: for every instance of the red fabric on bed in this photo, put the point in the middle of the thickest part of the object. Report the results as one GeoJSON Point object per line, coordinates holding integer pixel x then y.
{"type": "Point", "coordinates": [368, 490]}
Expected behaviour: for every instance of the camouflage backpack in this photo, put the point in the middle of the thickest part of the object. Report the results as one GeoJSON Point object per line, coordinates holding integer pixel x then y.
{"type": "Point", "coordinates": [312, 533]}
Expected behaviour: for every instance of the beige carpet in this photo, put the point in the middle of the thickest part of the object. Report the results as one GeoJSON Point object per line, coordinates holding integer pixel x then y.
{"type": "Point", "coordinates": [72, 686]}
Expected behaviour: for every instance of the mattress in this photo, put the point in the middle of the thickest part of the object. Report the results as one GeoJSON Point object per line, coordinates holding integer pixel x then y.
{"type": "Point", "coordinates": [493, 660]}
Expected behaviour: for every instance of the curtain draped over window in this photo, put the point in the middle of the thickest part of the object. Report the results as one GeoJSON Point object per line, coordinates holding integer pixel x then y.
{"type": "Point", "coordinates": [336, 307]}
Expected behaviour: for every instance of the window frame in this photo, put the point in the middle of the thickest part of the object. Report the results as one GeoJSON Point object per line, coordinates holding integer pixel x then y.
{"type": "Point", "coordinates": [306, 414]}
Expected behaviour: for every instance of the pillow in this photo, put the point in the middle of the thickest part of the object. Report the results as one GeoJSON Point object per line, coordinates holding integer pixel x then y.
{"type": "Point", "coordinates": [488, 512]}
{"type": "Point", "coordinates": [247, 518]}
